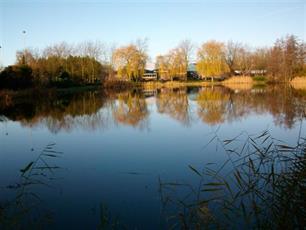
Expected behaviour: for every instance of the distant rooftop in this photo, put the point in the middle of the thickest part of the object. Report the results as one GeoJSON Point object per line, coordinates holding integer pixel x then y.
{"type": "Point", "coordinates": [191, 67]}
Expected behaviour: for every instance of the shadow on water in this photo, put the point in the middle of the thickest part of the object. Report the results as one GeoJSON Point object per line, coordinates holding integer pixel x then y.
{"type": "Point", "coordinates": [261, 185]}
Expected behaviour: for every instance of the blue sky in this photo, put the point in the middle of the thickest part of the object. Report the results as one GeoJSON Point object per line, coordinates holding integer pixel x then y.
{"type": "Point", "coordinates": [164, 23]}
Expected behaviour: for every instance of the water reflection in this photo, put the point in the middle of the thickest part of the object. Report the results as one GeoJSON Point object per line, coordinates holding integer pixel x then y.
{"type": "Point", "coordinates": [97, 109]}
{"type": "Point", "coordinates": [175, 103]}
{"type": "Point", "coordinates": [213, 104]}
{"type": "Point", "coordinates": [130, 108]}
{"type": "Point", "coordinates": [110, 159]}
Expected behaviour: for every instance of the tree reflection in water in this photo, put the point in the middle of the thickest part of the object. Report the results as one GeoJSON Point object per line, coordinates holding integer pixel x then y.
{"type": "Point", "coordinates": [217, 105]}
{"type": "Point", "coordinates": [211, 105]}
{"type": "Point", "coordinates": [98, 109]}
{"type": "Point", "coordinates": [174, 102]}
{"type": "Point", "coordinates": [130, 109]}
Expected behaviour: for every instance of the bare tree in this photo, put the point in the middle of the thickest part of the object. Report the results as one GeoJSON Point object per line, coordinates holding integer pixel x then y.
{"type": "Point", "coordinates": [175, 63]}
{"type": "Point", "coordinates": [61, 50]}
{"type": "Point", "coordinates": [187, 49]}
{"type": "Point", "coordinates": [286, 59]}
{"type": "Point", "coordinates": [231, 54]}
{"type": "Point", "coordinates": [245, 60]}
{"type": "Point", "coordinates": [27, 56]}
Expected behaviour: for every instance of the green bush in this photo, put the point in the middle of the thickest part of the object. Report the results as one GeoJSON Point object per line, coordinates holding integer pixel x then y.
{"type": "Point", "coordinates": [259, 78]}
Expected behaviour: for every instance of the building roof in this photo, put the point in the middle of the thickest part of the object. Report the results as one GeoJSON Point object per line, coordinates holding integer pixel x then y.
{"type": "Point", "coordinates": [191, 67]}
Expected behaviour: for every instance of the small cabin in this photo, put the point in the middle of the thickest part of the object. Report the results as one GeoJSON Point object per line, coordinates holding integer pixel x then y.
{"type": "Point", "coordinates": [150, 75]}
{"type": "Point", "coordinates": [192, 71]}
{"type": "Point", "coordinates": [253, 72]}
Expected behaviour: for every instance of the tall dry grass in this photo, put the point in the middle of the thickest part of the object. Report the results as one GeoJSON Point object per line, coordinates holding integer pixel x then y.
{"type": "Point", "coordinates": [261, 185]}
{"type": "Point", "coordinates": [239, 80]}
{"type": "Point", "coordinates": [298, 83]}
{"type": "Point", "coordinates": [173, 84]}
{"type": "Point", "coordinates": [239, 83]}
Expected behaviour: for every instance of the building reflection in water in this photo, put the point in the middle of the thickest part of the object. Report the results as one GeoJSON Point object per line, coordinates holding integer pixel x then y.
{"type": "Point", "coordinates": [100, 110]}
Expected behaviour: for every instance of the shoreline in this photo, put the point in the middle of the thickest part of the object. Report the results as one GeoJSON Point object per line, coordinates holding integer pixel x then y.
{"type": "Point", "coordinates": [242, 83]}
{"type": "Point", "coordinates": [45, 91]}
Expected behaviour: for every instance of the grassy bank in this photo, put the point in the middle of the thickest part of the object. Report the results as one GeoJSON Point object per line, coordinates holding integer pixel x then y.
{"type": "Point", "coordinates": [234, 83]}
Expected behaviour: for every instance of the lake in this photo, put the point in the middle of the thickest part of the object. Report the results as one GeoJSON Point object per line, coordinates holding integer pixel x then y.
{"type": "Point", "coordinates": [96, 159]}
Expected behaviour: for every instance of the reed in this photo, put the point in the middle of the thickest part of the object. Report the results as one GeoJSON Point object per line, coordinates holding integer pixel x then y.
{"type": "Point", "coordinates": [238, 80]}
{"type": "Point", "coordinates": [239, 83]}
{"type": "Point", "coordinates": [261, 185]}
{"type": "Point", "coordinates": [26, 210]}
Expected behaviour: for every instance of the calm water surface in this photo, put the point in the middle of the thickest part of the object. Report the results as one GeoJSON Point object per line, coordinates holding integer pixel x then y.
{"type": "Point", "coordinates": [116, 146]}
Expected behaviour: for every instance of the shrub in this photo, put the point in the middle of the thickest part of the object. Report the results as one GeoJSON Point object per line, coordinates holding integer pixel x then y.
{"type": "Point", "coordinates": [259, 78]}
{"type": "Point", "coordinates": [16, 77]}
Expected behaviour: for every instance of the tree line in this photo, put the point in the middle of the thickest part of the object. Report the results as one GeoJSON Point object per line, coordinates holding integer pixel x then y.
{"type": "Point", "coordinates": [59, 65]}
{"type": "Point", "coordinates": [64, 65]}
{"type": "Point", "coordinates": [281, 62]}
